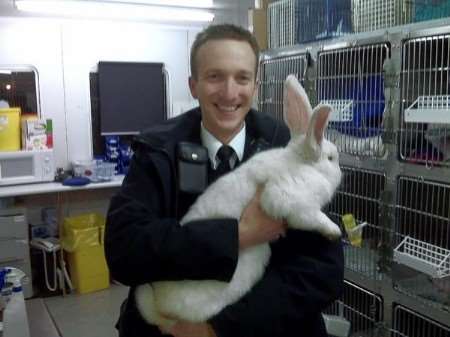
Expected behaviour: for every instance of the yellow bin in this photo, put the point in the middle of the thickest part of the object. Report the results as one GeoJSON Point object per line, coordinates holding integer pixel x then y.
{"type": "Point", "coordinates": [10, 129]}
{"type": "Point", "coordinates": [83, 243]}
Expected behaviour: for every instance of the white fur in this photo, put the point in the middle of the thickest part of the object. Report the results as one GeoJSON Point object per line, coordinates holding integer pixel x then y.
{"type": "Point", "coordinates": [297, 182]}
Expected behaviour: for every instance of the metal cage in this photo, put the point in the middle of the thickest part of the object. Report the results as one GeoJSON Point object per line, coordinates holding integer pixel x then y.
{"type": "Point", "coordinates": [359, 194]}
{"type": "Point", "coordinates": [273, 73]}
{"type": "Point", "coordinates": [361, 307]}
{"type": "Point", "coordinates": [425, 10]}
{"type": "Point", "coordinates": [369, 15]}
{"type": "Point", "coordinates": [425, 97]}
{"type": "Point", "coordinates": [422, 239]}
{"type": "Point", "coordinates": [407, 323]}
{"type": "Point", "coordinates": [350, 79]}
{"type": "Point", "coordinates": [282, 23]}
{"type": "Point", "coordinates": [321, 19]}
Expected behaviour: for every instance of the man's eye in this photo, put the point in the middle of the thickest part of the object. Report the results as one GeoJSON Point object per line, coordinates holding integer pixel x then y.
{"type": "Point", "coordinates": [243, 79]}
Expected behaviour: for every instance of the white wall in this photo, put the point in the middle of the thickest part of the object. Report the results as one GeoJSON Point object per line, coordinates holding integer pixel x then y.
{"type": "Point", "coordinates": [85, 45]}
{"type": "Point", "coordinates": [64, 52]}
{"type": "Point", "coordinates": [37, 43]}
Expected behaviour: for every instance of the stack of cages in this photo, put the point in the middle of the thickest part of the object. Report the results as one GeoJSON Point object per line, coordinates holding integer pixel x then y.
{"type": "Point", "coordinates": [273, 73]}
{"type": "Point", "coordinates": [362, 308]}
{"type": "Point", "coordinates": [350, 78]}
{"type": "Point", "coordinates": [396, 177]}
{"type": "Point", "coordinates": [422, 228]}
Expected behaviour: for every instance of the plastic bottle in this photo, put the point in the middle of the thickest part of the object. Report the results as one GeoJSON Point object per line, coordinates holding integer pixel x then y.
{"type": "Point", "coordinates": [49, 133]}
{"type": "Point", "coordinates": [15, 319]}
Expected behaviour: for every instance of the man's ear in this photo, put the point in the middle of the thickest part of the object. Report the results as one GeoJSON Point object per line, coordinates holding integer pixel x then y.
{"type": "Point", "coordinates": [193, 86]}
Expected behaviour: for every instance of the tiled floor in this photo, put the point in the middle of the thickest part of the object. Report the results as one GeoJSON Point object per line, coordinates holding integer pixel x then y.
{"type": "Point", "coordinates": [88, 315]}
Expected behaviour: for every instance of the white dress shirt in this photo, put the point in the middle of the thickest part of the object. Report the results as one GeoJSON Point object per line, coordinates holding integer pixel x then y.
{"type": "Point", "coordinates": [213, 145]}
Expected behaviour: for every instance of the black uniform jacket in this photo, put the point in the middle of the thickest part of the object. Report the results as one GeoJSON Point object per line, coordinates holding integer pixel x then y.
{"type": "Point", "coordinates": [144, 242]}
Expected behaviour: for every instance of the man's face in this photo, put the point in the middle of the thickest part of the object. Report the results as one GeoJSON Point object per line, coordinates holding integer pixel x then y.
{"type": "Point", "coordinates": [224, 86]}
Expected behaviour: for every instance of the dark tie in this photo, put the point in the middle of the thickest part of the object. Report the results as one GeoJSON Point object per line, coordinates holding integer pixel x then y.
{"type": "Point", "coordinates": [224, 155]}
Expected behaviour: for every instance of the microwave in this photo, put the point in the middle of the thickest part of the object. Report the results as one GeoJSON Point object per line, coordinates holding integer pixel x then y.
{"type": "Point", "coordinates": [26, 167]}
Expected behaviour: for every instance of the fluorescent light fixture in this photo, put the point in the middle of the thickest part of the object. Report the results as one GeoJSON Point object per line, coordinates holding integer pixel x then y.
{"type": "Point", "coordinates": [113, 10]}
{"type": "Point", "coordinates": [175, 3]}
{"type": "Point", "coordinates": [5, 71]}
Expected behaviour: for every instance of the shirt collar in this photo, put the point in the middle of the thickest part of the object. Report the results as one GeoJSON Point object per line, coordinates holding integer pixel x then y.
{"type": "Point", "coordinates": [213, 144]}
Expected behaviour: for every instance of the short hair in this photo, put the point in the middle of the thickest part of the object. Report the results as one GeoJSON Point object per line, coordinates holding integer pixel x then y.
{"type": "Point", "coordinates": [222, 32]}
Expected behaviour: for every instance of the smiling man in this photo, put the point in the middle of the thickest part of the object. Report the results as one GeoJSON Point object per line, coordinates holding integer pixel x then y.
{"type": "Point", "coordinates": [144, 241]}
{"type": "Point", "coordinates": [224, 84]}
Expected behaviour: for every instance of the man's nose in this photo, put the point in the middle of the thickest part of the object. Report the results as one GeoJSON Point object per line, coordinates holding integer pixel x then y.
{"type": "Point", "coordinates": [230, 89]}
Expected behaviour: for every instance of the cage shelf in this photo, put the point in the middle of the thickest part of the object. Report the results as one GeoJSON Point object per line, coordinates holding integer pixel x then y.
{"type": "Point", "coordinates": [429, 109]}
{"type": "Point", "coordinates": [342, 109]}
{"type": "Point", "coordinates": [424, 257]}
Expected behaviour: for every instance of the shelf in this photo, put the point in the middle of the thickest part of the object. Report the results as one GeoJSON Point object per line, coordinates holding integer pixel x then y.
{"type": "Point", "coordinates": [53, 187]}
{"type": "Point", "coordinates": [424, 257]}
{"type": "Point", "coordinates": [429, 109]}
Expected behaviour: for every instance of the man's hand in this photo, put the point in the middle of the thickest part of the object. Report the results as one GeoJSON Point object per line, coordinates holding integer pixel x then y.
{"type": "Point", "coordinates": [256, 227]}
{"type": "Point", "coordinates": [189, 329]}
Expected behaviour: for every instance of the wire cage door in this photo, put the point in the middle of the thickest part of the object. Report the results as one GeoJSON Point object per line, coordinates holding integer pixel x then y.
{"type": "Point", "coordinates": [361, 307]}
{"type": "Point", "coordinates": [282, 23]}
{"type": "Point", "coordinates": [321, 19]}
{"type": "Point", "coordinates": [425, 93]}
{"type": "Point", "coordinates": [422, 239]}
{"type": "Point", "coordinates": [351, 80]}
{"type": "Point", "coordinates": [273, 73]}
{"type": "Point", "coordinates": [360, 195]}
{"type": "Point", "coordinates": [369, 15]}
{"type": "Point", "coordinates": [407, 323]}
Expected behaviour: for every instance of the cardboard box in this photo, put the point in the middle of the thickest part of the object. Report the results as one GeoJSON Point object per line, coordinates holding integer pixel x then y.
{"type": "Point", "coordinates": [34, 135]}
{"type": "Point", "coordinates": [257, 20]}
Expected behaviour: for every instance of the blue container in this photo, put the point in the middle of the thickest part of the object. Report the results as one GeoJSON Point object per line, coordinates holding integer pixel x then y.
{"type": "Point", "coordinates": [431, 9]}
{"type": "Point", "coordinates": [368, 105]}
{"type": "Point", "coordinates": [322, 19]}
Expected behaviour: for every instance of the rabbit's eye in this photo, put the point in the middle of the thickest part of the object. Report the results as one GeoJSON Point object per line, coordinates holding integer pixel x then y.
{"type": "Point", "coordinates": [330, 158]}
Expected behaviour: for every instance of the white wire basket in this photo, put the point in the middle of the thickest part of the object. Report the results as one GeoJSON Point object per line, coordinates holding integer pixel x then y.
{"type": "Point", "coordinates": [429, 109]}
{"type": "Point", "coordinates": [342, 109]}
{"type": "Point", "coordinates": [424, 257]}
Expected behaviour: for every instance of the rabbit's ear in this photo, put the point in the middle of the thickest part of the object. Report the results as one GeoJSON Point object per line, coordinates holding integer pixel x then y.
{"type": "Point", "coordinates": [297, 110]}
{"type": "Point", "coordinates": [318, 123]}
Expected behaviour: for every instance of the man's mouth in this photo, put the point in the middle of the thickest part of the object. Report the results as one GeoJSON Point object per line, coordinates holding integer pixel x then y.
{"type": "Point", "coordinates": [227, 108]}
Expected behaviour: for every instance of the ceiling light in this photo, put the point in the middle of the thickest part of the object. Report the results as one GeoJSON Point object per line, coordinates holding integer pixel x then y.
{"type": "Point", "coordinates": [176, 3]}
{"type": "Point", "coordinates": [113, 10]}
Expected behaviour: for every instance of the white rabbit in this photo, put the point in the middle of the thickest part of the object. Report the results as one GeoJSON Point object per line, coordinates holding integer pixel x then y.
{"type": "Point", "coordinates": [297, 182]}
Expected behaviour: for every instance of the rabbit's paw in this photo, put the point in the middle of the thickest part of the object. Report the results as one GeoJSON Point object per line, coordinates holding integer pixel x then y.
{"type": "Point", "coordinates": [328, 228]}
{"type": "Point", "coordinates": [333, 232]}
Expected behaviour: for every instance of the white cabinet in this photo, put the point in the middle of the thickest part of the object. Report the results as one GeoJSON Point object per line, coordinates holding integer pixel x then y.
{"type": "Point", "coordinates": [14, 247]}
